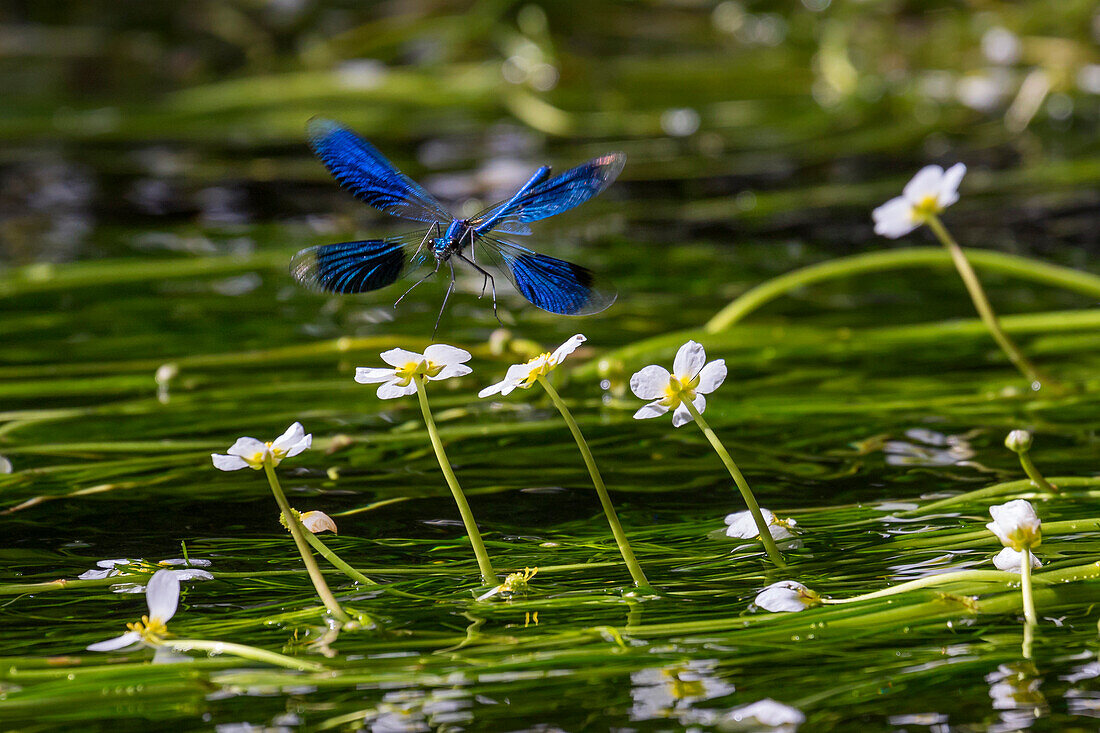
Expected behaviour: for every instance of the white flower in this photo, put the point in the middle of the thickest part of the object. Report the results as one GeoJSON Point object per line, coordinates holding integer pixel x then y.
{"type": "Point", "coordinates": [250, 453]}
{"type": "Point", "coordinates": [787, 595]}
{"type": "Point", "coordinates": [1016, 524]}
{"type": "Point", "coordinates": [742, 526]}
{"type": "Point", "coordinates": [113, 568]}
{"type": "Point", "coordinates": [439, 361]}
{"type": "Point", "coordinates": [163, 597]}
{"type": "Point", "coordinates": [690, 380]}
{"type": "Point", "coordinates": [930, 192]}
{"type": "Point", "coordinates": [524, 375]}
{"type": "Point", "coordinates": [1011, 561]}
{"type": "Point", "coordinates": [766, 712]}
{"type": "Point", "coordinates": [317, 522]}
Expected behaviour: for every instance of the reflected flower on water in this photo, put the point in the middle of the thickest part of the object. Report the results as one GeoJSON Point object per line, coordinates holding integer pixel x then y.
{"type": "Point", "coordinates": [767, 713]}
{"type": "Point", "coordinates": [127, 568]}
{"type": "Point", "coordinates": [787, 596]}
{"type": "Point", "coordinates": [1011, 560]}
{"type": "Point", "coordinates": [1016, 524]}
{"type": "Point", "coordinates": [928, 448]}
{"type": "Point", "coordinates": [691, 378]}
{"type": "Point", "coordinates": [251, 453]}
{"type": "Point", "coordinates": [524, 376]}
{"type": "Point", "coordinates": [929, 192]}
{"type": "Point", "coordinates": [742, 526]}
{"type": "Point", "coordinates": [163, 597]}
{"type": "Point", "coordinates": [438, 362]}
{"type": "Point", "coordinates": [1014, 689]}
{"type": "Point", "coordinates": [664, 693]}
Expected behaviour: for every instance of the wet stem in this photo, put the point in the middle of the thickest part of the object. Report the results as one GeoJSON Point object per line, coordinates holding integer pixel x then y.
{"type": "Point", "coordinates": [1025, 587]}
{"type": "Point", "coordinates": [297, 531]}
{"type": "Point", "coordinates": [488, 576]}
{"type": "Point", "coordinates": [1033, 473]}
{"type": "Point", "coordinates": [742, 485]}
{"type": "Point", "coordinates": [242, 651]}
{"type": "Point", "coordinates": [636, 573]}
{"type": "Point", "coordinates": [338, 563]}
{"type": "Point", "coordinates": [985, 310]}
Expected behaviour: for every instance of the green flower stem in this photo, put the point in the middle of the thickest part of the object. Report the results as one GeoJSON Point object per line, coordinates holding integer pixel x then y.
{"type": "Point", "coordinates": [981, 304]}
{"type": "Point", "coordinates": [325, 552]}
{"type": "Point", "coordinates": [240, 650]}
{"type": "Point", "coordinates": [488, 576]}
{"type": "Point", "coordinates": [616, 528]}
{"type": "Point", "coordinates": [298, 532]}
{"type": "Point", "coordinates": [742, 484]}
{"type": "Point", "coordinates": [1033, 473]}
{"type": "Point", "coordinates": [1025, 587]}
{"type": "Point", "coordinates": [962, 576]}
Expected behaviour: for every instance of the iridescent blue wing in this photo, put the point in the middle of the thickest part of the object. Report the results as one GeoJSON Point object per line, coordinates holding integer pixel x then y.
{"type": "Point", "coordinates": [556, 195]}
{"type": "Point", "coordinates": [361, 169]}
{"type": "Point", "coordinates": [554, 285]}
{"type": "Point", "coordinates": [356, 267]}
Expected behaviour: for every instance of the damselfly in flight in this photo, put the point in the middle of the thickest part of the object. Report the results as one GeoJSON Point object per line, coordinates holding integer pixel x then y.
{"type": "Point", "coordinates": [554, 285]}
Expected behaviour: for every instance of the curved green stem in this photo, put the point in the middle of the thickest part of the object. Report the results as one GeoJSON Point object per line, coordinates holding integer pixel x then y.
{"type": "Point", "coordinates": [605, 500]}
{"type": "Point", "coordinates": [1033, 473]}
{"type": "Point", "coordinates": [324, 551]}
{"type": "Point", "coordinates": [297, 531]}
{"type": "Point", "coordinates": [742, 485]}
{"type": "Point", "coordinates": [1014, 265]}
{"type": "Point", "coordinates": [240, 650]}
{"type": "Point", "coordinates": [1025, 587]}
{"type": "Point", "coordinates": [488, 576]}
{"type": "Point", "coordinates": [961, 576]}
{"type": "Point", "coordinates": [985, 310]}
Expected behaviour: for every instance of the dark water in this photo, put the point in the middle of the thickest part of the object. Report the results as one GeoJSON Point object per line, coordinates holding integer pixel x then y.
{"type": "Point", "coordinates": [154, 183]}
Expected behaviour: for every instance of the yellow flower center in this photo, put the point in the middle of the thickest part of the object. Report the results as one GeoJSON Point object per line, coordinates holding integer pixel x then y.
{"type": "Point", "coordinates": [540, 367]}
{"type": "Point", "coordinates": [148, 628]}
{"type": "Point", "coordinates": [425, 368]}
{"type": "Point", "coordinates": [927, 207]}
{"type": "Point", "coordinates": [678, 390]}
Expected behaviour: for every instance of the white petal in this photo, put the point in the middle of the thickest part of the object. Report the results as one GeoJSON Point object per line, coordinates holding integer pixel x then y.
{"type": "Point", "coordinates": [444, 354]}
{"type": "Point", "coordinates": [163, 595]}
{"type": "Point", "coordinates": [393, 390]}
{"type": "Point", "coordinates": [1011, 561]}
{"type": "Point", "coordinates": [119, 642]}
{"type": "Point", "coordinates": [246, 447]}
{"type": "Point", "coordinates": [743, 526]}
{"type": "Point", "coordinates": [400, 357]}
{"type": "Point", "coordinates": [689, 360]}
{"type": "Point", "coordinates": [192, 574]}
{"type": "Point", "coordinates": [302, 445]}
{"type": "Point", "coordinates": [653, 409]}
{"type": "Point", "coordinates": [949, 185]}
{"type": "Point", "coordinates": [228, 463]}
{"type": "Point", "coordinates": [96, 574]}
{"type": "Point", "coordinates": [712, 376]}
{"type": "Point", "coordinates": [373, 375]}
{"type": "Point", "coordinates": [925, 183]}
{"type": "Point", "coordinates": [1016, 524]}
{"type": "Point", "coordinates": [650, 382]}
{"type": "Point", "coordinates": [317, 522]}
{"type": "Point", "coordinates": [491, 390]}
{"type": "Point", "coordinates": [567, 348]}
{"type": "Point", "coordinates": [115, 563]}
{"type": "Point", "coordinates": [784, 596]}
{"type": "Point", "coordinates": [292, 436]}
{"type": "Point", "coordinates": [681, 416]}
{"type": "Point", "coordinates": [451, 370]}
{"type": "Point", "coordinates": [894, 218]}
{"type": "Point", "coordinates": [194, 562]}
{"type": "Point", "coordinates": [766, 712]}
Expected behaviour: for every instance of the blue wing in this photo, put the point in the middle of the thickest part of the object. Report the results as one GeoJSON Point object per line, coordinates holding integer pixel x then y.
{"type": "Point", "coordinates": [356, 267]}
{"type": "Point", "coordinates": [554, 285]}
{"type": "Point", "coordinates": [361, 169]}
{"type": "Point", "coordinates": [556, 195]}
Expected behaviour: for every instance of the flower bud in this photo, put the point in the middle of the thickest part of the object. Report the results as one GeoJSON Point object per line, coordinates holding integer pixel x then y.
{"type": "Point", "coordinates": [1018, 441]}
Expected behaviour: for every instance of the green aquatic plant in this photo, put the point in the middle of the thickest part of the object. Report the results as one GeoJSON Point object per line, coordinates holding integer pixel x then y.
{"type": "Point", "coordinates": [251, 453]}
{"type": "Point", "coordinates": [409, 373]}
{"type": "Point", "coordinates": [923, 199]}
{"type": "Point", "coordinates": [1019, 529]}
{"type": "Point", "coordinates": [682, 391]}
{"type": "Point", "coordinates": [524, 376]}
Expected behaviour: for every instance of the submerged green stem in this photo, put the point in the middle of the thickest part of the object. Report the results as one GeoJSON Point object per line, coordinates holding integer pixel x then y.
{"type": "Point", "coordinates": [985, 310]}
{"type": "Point", "coordinates": [636, 573]}
{"type": "Point", "coordinates": [488, 576]}
{"type": "Point", "coordinates": [240, 650]}
{"type": "Point", "coordinates": [742, 485]}
{"type": "Point", "coordinates": [1025, 587]}
{"type": "Point", "coordinates": [326, 552]}
{"type": "Point", "coordinates": [297, 531]}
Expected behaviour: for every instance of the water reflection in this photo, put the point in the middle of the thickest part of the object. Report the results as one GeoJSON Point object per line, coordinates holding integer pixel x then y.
{"type": "Point", "coordinates": [1015, 691]}
{"type": "Point", "coordinates": [671, 692]}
